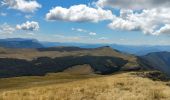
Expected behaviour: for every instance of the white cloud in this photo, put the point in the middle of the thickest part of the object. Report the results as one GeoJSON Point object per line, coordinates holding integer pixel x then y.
{"type": "Point", "coordinates": [30, 33]}
{"type": "Point", "coordinates": [79, 13]}
{"type": "Point", "coordinates": [79, 30]}
{"type": "Point", "coordinates": [152, 21]}
{"type": "Point", "coordinates": [133, 4]}
{"type": "Point", "coordinates": [163, 30]}
{"type": "Point", "coordinates": [68, 38]}
{"type": "Point", "coordinates": [153, 17]}
{"type": "Point", "coordinates": [3, 14]}
{"type": "Point", "coordinates": [6, 29]}
{"type": "Point", "coordinates": [124, 25]}
{"type": "Point", "coordinates": [84, 31]}
{"type": "Point", "coordinates": [22, 5]}
{"type": "Point", "coordinates": [31, 26]}
{"type": "Point", "coordinates": [92, 33]}
{"type": "Point", "coordinates": [28, 16]}
{"type": "Point", "coordinates": [103, 38]}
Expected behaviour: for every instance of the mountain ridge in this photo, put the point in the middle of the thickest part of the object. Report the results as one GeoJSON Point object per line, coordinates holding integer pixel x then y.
{"type": "Point", "coordinates": [157, 60]}
{"type": "Point", "coordinates": [132, 49]}
{"type": "Point", "coordinates": [139, 50]}
{"type": "Point", "coordinates": [20, 43]}
{"type": "Point", "coordinates": [103, 60]}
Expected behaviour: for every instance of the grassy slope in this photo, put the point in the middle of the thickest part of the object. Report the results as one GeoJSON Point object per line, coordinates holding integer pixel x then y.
{"type": "Point", "coordinates": [30, 54]}
{"type": "Point", "coordinates": [8, 84]}
{"type": "Point", "coordinates": [123, 86]}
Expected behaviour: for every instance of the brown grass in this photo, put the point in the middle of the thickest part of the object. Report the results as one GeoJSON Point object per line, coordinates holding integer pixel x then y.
{"type": "Point", "coordinates": [114, 87]}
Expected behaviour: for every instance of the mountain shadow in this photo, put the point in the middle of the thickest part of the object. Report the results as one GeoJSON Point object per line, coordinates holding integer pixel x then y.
{"type": "Point", "coordinates": [157, 60]}
{"type": "Point", "coordinates": [43, 65]}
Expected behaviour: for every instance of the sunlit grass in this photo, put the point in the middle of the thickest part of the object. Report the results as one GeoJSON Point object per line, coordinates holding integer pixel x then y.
{"type": "Point", "coordinates": [124, 86]}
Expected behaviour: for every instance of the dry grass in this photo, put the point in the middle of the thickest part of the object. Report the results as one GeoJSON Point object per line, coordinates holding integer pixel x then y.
{"type": "Point", "coordinates": [30, 54]}
{"type": "Point", "coordinates": [115, 87]}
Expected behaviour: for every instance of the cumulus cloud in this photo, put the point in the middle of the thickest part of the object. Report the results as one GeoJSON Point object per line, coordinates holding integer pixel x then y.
{"type": "Point", "coordinates": [153, 17]}
{"type": "Point", "coordinates": [79, 13]}
{"type": "Point", "coordinates": [163, 30]}
{"type": "Point", "coordinates": [30, 26]}
{"type": "Point", "coordinates": [124, 25]}
{"type": "Point", "coordinates": [153, 21]}
{"type": "Point", "coordinates": [133, 4]}
{"type": "Point", "coordinates": [6, 29]}
{"type": "Point", "coordinates": [147, 16]}
{"type": "Point", "coordinates": [22, 5]}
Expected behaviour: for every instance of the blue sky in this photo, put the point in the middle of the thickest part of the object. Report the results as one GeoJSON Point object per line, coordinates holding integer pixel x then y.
{"type": "Point", "coordinates": [115, 29]}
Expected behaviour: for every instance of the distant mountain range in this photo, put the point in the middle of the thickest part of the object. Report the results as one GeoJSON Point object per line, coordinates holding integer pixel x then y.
{"type": "Point", "coordinates": [20, 43]}
{"type": "Point", "coordinates": [157, 60]}
{"type": "Point", "coordinates": [33, 43]}
{"type": "Point", "coordinates": [132, 49]}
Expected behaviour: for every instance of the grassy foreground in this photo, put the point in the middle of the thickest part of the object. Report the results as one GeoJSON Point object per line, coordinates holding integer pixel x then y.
{"type": "Point", "coordinates": [123, 86]}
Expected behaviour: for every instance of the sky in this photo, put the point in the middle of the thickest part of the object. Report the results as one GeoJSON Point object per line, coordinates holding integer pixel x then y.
{"type": "Point", "coordinates": [131, 22]}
